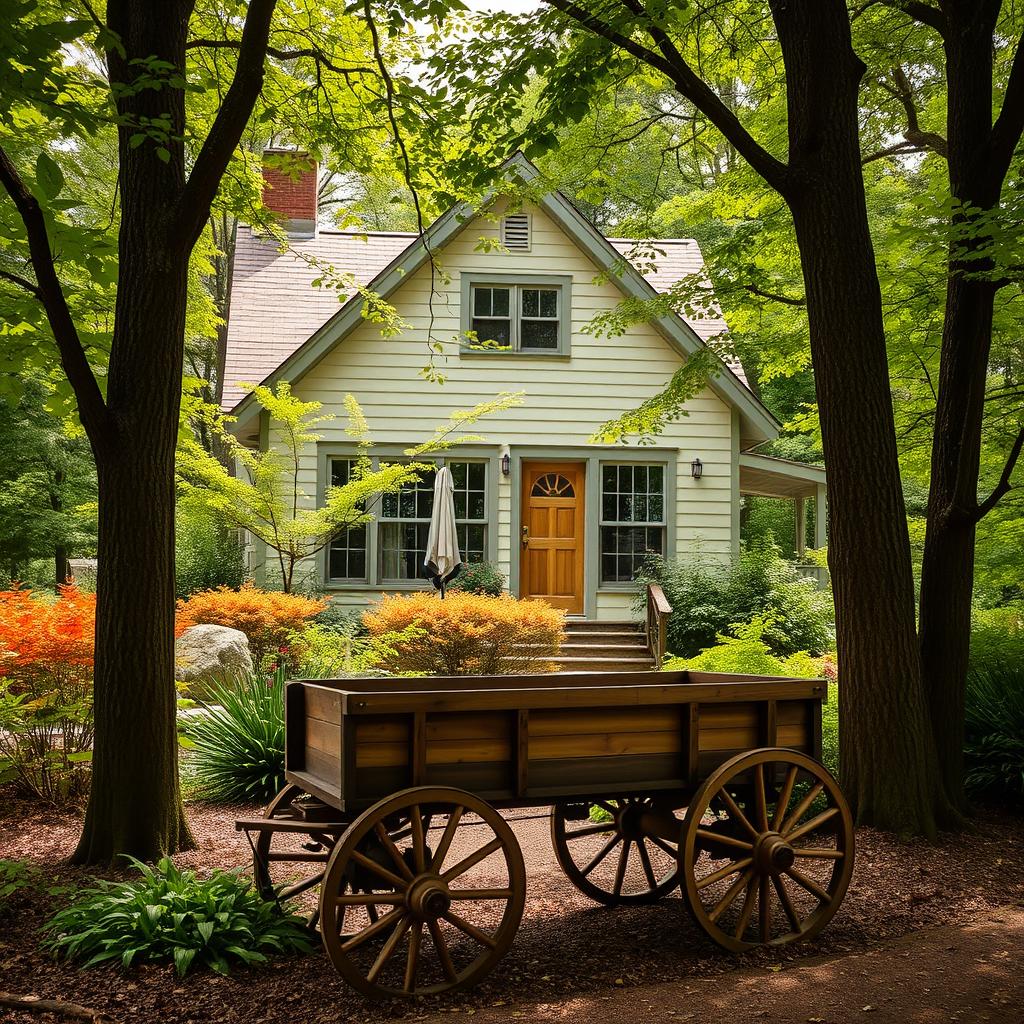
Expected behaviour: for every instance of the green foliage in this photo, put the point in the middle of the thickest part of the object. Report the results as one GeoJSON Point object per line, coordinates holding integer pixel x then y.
{"type": "Point", "coordinates": [169, 915]}
{"type": "Point", "coordinates": [237, 744]}
{"type": "Point", "coordinates": [707, 595]}
{"type": "Point", "coordinates": [328, 652]}
{"type": "Point", "coordinates": [994, 740]}
{"type": "Point", "coordinates": [997, 638]}
{"type": "Point", "coordinates": [206, 554]}
{"type": "Point", "coordinates": [480, 578]}
{"type": "Point", "coordinates": [15, 876]}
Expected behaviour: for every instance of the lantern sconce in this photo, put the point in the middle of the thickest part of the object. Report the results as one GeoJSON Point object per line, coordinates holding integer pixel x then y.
{"type": "Point", "coordinates": [696, 469]}
{"type": "Point", "coordinates": [506, 461]}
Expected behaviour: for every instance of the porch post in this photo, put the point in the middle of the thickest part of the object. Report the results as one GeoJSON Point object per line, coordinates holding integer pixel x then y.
{"type": "Point", "coordinates": [820, 538]}
{"type": "Point", "coordinates": [801, 526]}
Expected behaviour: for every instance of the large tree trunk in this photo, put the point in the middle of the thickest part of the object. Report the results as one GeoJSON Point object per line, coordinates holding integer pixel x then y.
{"type": "Point", "coordinates": [135, 802]}
{"type": "Point", "coordinates": [887, 755]}
{"type": "Point", "coordinates": [947, 570]}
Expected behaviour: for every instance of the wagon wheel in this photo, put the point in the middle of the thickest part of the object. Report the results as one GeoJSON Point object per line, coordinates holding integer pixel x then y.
{"type": "Point", "coordinates": [770, 826]}
{"type": "Point", "coordinates": [288, 865]}
{"type": "Point", "coordinates": [616, 861]}
{"type": "Point", "coordinates": [453, 896]}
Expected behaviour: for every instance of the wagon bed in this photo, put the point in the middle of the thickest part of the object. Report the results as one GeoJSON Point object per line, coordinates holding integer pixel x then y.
{"type": "Point", "coordinates": [656, 781]}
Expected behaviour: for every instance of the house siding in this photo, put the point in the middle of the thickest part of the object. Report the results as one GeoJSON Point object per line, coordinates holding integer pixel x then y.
{"type": "Point", "coordinates": [566, 398]}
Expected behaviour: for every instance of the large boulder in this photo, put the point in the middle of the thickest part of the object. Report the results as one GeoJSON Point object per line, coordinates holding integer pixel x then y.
{"type": "Point", "coordinates": [211, 654]}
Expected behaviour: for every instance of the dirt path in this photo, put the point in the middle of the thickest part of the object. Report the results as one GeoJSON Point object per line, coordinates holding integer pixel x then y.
{"type": "Point", "coordinates": [971, 974]}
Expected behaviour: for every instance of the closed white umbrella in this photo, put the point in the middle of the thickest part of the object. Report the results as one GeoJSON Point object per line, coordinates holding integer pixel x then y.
{"type": "Point", "coordinates": [443, 560]}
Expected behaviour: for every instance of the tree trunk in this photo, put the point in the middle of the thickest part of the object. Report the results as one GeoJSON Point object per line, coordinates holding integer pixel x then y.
{"type": "Point", "coordinates": [135, 803]}
{"type": "Point", "coordinates": [887, 753]}
{"type": "Point", "coordinates": [947, 570]}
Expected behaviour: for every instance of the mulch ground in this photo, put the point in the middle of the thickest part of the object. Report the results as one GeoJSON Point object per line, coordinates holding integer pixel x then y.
{"type": "Point", "coordinates": [567, 950]}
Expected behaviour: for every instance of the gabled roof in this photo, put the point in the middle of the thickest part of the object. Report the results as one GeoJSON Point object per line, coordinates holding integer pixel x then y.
{"type": "Point", "coordinates": [280, 326]}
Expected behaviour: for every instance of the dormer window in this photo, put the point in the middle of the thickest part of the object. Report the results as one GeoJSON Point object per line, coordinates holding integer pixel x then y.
{"type": "Point", "coordinates": [505, 314]}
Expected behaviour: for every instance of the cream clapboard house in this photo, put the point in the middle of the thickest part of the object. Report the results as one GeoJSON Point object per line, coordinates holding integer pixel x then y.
{"type": "Point", "coordinates": [565, 520]}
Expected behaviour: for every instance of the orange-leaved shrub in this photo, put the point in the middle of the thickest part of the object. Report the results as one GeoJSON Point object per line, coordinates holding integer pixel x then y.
{"type": "Point", "coordinates": [46, 720]}
{"type": "Point", "coordinates": [466, 634]}
{"type": "Point", "coordinates": [266, 617]}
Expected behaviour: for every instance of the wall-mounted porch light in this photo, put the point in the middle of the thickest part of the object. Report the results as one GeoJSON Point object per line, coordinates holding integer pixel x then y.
{"type": "Point", "coordinates": [506, 464]}
{"type": "Point", "coordinates": [696, 469]}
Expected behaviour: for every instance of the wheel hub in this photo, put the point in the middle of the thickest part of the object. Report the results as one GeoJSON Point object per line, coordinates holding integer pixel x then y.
{"type": "Point", "coordinates": [428, 897]}
{"type": "Point", "coordinates": [772, 854]}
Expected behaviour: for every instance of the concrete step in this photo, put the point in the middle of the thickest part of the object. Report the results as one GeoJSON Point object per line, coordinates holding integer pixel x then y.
{"type": "Point", "coordinates": [604, 651]}
{"type": "Point", "coordinates": [581, 664]}
{"type": "Point", "coordinates": [594, 625]}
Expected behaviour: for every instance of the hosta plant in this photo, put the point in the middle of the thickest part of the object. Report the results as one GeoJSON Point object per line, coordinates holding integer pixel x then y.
{"type": "Point", "coordinates": [994, 741]}
{"type": "Point", "coordinates": [171, 915]}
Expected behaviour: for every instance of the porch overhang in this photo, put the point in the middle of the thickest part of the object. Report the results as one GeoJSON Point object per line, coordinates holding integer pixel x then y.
{"type": "Point", "coordinates": [765, 476]}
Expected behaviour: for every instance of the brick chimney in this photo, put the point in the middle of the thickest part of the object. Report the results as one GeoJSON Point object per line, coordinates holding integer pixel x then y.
{"type": "Point", "coordinates": [289, 189]}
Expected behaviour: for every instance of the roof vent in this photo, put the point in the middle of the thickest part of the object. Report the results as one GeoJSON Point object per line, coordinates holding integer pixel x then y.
{"type": "Point", "coordinates": [515, 231]}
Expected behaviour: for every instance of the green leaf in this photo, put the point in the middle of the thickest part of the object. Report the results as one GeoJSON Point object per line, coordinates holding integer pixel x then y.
{"type": "Point", "coordinates": [49, 175]}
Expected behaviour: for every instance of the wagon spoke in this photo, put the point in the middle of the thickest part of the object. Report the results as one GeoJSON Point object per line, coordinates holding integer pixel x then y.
{"type": "Point", "coordinates": [734, 810]}
{"type": "Point", "coordinates": [305, 885]}
{"type": "Point", "coordinates": [419, 843]}
{"type": "Point", "coordinates": [388, 948]}
{"type": "Point", "coordinates": [747, 911]}
{"type": "Point", "coordinates": [645, 861]}
{"type": "Point", "coordinates": [372, 930]}
{"type": "Point", "coordinates": [620, 870]}
{"type": "Point", "coordinates": [441, 945]}
{"type": "Point", "coordinates": [801, 808]}
{"type": "Point", "coordinates": [601, 854]}
{"type": "Point", "coordinates": [606, 805]}
{"type": "Point", "coordinates": [369, 899]}
{"type": "Point", "coordinates": [784, 797]}
{"type": "Point", "coordinates": [446, 839]}
{"type": "Point", "coordinates": [729, 869]}
{"type": "Point", "coordinates": [724, 840]}
{"type": "Point", "coordinates": [818, 853]}
{"type": "Point", "coordinates": [764, 911]}
{"type": "Point", "coordinates": [389, 844]}
{"type": "Point", "coordinates": [474, 858]}
{"type": "Point", "coordinates": [412, 959]}
{"type": "Point", "coordinates": [730, 896]}
{"type": "Point", "coordinates": [814, 823]}
{"type": "Point", "coordinates": [787, 903]}
{"type": "Point", "coordinates": [470, 929]}
{"type": "Point", "coordinates": [590, 830]}
{"type": "Point", "coordinates": [666, 847]}
{"type": "Point", "coordinates": [377, 869]}
{"type": "Point", "coordinates": [810, 885]}
{"type": "Point", "coordinates": [760, 798]}
{"type": "Point", "coordinates": [479, 894]}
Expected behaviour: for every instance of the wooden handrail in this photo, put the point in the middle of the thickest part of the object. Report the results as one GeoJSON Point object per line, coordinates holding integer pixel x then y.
{"type": "Point", "coordinates": [658, 611]}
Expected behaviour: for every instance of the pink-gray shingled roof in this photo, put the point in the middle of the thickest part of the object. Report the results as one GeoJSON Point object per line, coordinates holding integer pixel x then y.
{"type": "Point", "coordinates": [275, 308]}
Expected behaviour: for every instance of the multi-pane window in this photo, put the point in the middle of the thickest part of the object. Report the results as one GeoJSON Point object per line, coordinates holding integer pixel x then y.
{"type": "Point", "coordinates": [521, 318]}
{"type": "Point", "coordinates": [405, 521]}
{"type": "Point", "coordinates": [346, 556]}
{"type": "Point", "coordinates": [632, 518]}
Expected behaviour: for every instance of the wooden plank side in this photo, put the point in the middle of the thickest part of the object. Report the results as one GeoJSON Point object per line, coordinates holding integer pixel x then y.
{"type": "Point", "coordinates": [323, 767]}
{"type": "Point", "coordinates": [324, 736]}
{"type": "Point", "coordinates": [586, 745]}
{"type": "Point", "coordinates": [322, 703]}
{"type": "Point", "coordinates": [602, 720]}
{"type": "Point", "coordinates": [617, 771]}
{"type": "Point", "coordinates": [418, 751]}
{"type": "Point", "coordinates": [522, 779]}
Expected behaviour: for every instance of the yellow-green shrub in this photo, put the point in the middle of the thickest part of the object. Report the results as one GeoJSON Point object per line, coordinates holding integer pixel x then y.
{"type": "Point", "coordinates": [466, 634]}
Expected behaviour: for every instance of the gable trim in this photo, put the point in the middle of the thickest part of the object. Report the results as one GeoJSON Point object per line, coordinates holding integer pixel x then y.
{"type": "Point", "coordinates": [602, 253]}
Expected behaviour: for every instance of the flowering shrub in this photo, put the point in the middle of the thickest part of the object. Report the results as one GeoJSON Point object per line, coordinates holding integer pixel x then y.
{"type": "Point", "coordinates": [466, 634]}
{"type": "Point", "coordinates": [266, 617]}
{"type": "Point", "coordinates": [46, 722]}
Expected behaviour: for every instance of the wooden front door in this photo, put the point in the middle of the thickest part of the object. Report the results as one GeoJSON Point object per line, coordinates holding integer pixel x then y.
{"type": "Point", "coordinates": [551, 541]}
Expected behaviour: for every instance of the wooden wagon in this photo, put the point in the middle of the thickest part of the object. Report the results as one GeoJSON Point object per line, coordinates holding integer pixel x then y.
{"type": "Point", "coordinates": [653, 780]}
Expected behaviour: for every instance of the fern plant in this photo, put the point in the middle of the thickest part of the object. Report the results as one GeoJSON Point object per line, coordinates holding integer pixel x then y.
{"type": "Point", "coordinates": [172, 915]}
{"type": "Point", "coordinates": [994, 740]}
{"type": "Point", "coordinates": [237, 745]}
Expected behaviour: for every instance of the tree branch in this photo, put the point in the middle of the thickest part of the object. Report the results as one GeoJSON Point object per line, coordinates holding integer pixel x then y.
{"type": "Point", "coordinates": [193, 205]}
{"type": "Point", "coordinates": [1003, 486]}
{"type": "Point", "coordinates": [788, 300]}
{"type": "Point", "coordinates": [1009, 126]}
{"type": "Point", "coordinates": [690, 85]}
{"type": "Point", "coordinates": [899, 149]}
{"type": "Point", "coordinates": [920, 11]}
{"type": "Point", "coordinates": [22, 282]}
{"type": "Point", "coordinates": [91, 407]}
{"type": "Point", "coordinates": [915, 135]}
{"type": "Point", "coordinates": [273, 51]}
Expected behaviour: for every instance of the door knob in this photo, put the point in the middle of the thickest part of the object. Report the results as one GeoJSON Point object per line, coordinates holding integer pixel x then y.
{"type": "Point", "coordinates": [526, 536]}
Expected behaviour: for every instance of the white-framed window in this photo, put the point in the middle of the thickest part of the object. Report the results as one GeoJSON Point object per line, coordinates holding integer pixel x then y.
{"type": "Point", "coordinates": [346, 554]}
{"type": "Point", "coordinates": [405, 521]}
{"type": "Point", "coordinates": [632, 518]}
{"type": "Point", "coordinates": [529, 315]}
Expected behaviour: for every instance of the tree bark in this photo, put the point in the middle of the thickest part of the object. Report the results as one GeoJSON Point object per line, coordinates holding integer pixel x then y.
{"type": "Point", "coordinates": [135, 802]}
{"type": "Point", "coordinates": [947, 570]}
{"type": "Point", "coordinates": [887, 757]}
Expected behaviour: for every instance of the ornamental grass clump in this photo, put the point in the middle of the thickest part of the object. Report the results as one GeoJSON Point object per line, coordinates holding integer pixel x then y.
{"type": "Point", "coordinates": [466, 634]}
{"type": "Point", "coordinates": [266, 617]}
{"type": "Point", "coordinates": [171, 915]}
{"type": "Point", "coordinates": [236, 747]}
